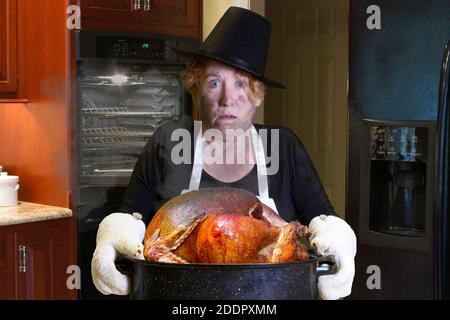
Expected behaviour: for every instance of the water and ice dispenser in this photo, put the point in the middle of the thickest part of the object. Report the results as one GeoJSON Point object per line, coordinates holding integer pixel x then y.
{"type": "Point", "coordinates": [398, 180]}
{"type": "Point", "coordinates": [397, 189]}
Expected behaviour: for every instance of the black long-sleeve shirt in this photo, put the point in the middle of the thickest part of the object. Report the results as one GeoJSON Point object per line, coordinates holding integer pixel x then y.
{"type": "Point", "coordinates": [295, 188]}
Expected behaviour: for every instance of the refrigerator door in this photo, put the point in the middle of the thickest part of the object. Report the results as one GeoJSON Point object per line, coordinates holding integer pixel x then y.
{"type": "Point", "coordinates": [442, 191]}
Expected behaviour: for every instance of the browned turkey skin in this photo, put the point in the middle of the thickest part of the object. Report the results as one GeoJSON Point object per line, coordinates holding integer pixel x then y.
{"type": "Point", "coordinates": [222, 225]}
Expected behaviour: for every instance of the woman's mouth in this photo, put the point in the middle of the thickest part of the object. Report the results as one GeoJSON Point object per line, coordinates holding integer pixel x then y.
{"type": "Point", "coordinates": [227, 117]}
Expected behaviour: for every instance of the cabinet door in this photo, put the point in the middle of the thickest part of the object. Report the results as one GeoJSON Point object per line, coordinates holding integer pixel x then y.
{"type": "Point", "coordinates": [7, 265]}
{"type": "Point", "coordinates": [38, 250]}
{"type": "Point", "coordinates": [169, 17]}
{"type": "Point", "coordinates": [8, 45]}
{"type": "Point", "coordinates": [177, 13]}
{"type": "Point", "coordinates": [111, 10]}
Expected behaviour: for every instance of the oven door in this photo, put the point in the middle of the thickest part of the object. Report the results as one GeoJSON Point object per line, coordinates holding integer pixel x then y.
{"type": "Point", "coordinates": [120, 107]}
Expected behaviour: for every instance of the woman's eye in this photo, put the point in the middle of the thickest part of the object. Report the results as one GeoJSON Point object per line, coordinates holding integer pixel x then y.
{"type": "Point", "coordinates": [214, 83]}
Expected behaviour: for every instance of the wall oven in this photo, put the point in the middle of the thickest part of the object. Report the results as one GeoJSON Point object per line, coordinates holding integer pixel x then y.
{"type": "Point", "coordinates": [128, 85]}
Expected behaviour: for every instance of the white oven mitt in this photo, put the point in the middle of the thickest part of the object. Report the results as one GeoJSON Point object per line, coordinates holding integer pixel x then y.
{"type": "Point", "coordinates": [331, 235]}
{"type": "Point", "coordinates": [118, 234]}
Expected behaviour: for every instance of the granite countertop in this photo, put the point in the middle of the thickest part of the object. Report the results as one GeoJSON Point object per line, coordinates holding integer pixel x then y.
{"type": "Point", "coordinates": [26, 212]}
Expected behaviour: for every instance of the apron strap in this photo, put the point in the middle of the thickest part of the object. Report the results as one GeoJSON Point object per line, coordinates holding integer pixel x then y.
{"type": "Point", "coordinates": [197, 167]}
{"type": "Point", "coordinates": [258, 146]}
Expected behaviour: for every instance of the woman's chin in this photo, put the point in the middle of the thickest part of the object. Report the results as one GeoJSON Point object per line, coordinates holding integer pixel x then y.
{"type": "Point", "coordinates": [223, 124]}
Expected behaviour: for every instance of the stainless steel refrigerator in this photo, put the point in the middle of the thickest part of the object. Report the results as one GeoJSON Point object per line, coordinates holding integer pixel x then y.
{"type": "Point", "coordinates": [442, 189]}
{"type": "Point", "coordinates": [397, 178]}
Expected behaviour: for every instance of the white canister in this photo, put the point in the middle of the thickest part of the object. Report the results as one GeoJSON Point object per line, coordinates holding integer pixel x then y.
{"type": "Point", "coordinates": [9, 187]}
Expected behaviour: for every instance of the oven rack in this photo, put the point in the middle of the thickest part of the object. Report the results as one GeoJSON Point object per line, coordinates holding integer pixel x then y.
{"type": "Point", "coordinates": [112, 145]}
{"type": "Point", "coordinates": [115, 132]}
{"type": "Point", "coordinates": [109, 84]}
{"type": "Point", "coordinates": [112, 180]}
{"type": "Point", "coordinates": [123, 112]}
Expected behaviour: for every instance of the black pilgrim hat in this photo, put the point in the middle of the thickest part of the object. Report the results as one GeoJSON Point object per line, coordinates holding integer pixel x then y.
{"type": "Point", "coordinates": [240, 39]}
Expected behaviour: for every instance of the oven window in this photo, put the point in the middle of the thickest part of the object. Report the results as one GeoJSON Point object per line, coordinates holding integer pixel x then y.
{"type": "Point", "coordinates": [119, 110]}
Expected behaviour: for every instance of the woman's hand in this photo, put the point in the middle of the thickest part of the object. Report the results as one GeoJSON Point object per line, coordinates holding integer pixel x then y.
{"type": "Point", "coordinates": [119, 234]}
{"type": "Point", "coordinates": [331, 235]}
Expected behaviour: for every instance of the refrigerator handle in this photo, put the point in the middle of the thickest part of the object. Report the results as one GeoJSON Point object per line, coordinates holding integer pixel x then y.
{"type": "Point", "coordinates": [441, 196]}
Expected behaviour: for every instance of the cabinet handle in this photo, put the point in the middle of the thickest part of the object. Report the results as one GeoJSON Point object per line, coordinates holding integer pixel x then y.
{"type": "Point", "coordinates": [22, 259]}
{"type": "Point", "coordinates": [136, 5]}
{"type": "Point", "coordinates": [147, 5]}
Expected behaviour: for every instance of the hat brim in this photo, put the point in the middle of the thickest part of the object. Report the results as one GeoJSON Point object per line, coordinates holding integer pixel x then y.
{"type": "Point", "coordinates": [193, 53]}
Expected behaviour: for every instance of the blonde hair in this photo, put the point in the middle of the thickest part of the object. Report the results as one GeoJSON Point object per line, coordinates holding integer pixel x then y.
{"type": "Point", "coordinates": [193, 77]}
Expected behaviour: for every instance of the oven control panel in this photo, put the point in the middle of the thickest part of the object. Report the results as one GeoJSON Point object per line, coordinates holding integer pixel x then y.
{"type": "Point", "coordinates": [106, 46]}
{"type": "Point", "coordinates": [136, 48]}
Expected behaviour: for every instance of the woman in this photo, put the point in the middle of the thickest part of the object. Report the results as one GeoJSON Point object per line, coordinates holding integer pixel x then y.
{"type": "Point", "coordinates": [227, 83]}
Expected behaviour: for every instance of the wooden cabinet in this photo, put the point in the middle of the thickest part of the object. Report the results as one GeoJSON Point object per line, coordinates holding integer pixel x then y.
{"type": "Point", "coordinates": [34, 261]}
{"type": "Point", "coordinates": [8, 46]}
{"type": "Point", "coordinates": [7, 270]}
{"type": "Point", "coordinates": [38, 133]}
{"type": "Point", "coordinates": [175, 13]}
{"type": "Point", "coordinates": [171, 17]}
{"type": "Point", "coordinates": [112, 10]}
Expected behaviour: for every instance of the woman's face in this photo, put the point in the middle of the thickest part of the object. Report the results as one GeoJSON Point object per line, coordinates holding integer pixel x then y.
{"type": "Point", "coordinates": [224, 99]}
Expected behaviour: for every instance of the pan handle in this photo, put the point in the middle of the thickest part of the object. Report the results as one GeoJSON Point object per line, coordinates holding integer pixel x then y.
{"type": "Point", "coordinates": [326, 265]}
{"type": "Point", "coordinates": [124, 266]}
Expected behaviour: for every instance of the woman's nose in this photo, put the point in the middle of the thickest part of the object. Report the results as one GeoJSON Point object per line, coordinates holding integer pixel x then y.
{"type": "Point", "coordinates": [229, 96]}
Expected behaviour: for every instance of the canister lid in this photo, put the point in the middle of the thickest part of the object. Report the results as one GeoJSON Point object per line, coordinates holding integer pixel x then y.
{"type": "Point", "coordinates": [4, 177]}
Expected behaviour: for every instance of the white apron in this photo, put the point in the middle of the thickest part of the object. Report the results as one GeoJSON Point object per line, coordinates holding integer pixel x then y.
{"type": "Point", "coordinates": [258, 146]}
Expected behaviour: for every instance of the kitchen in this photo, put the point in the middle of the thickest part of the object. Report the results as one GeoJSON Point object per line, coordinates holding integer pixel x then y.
{"type": "Point", "coordinates": [357, 72]}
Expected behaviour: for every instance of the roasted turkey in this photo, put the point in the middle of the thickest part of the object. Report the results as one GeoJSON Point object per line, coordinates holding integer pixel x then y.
{"type": "Point", "coordinates": [222, 225]}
